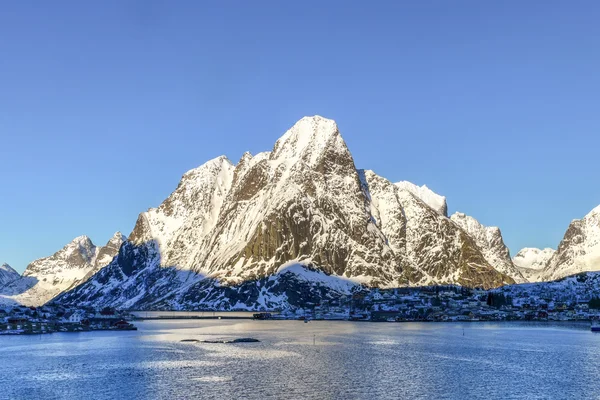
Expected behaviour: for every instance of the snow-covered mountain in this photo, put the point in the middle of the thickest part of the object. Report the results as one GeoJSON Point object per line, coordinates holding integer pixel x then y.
{"type": "Point", "coordinates": [531, 262]}
{"type": "Point", "coordinates": [7, 274]}
{"type": "Point", "coordinates": [301, 201]}
{"type": "Point", "coordinates": [47, 277]}
{"type": "Point", "coordinates": [490, 242]}
{"type": "Point", "coordinates": [223, 235]}
{"type": "Point", "coordinates": [579, 249]}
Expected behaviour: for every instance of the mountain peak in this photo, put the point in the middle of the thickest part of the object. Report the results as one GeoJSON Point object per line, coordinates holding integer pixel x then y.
{"type": "Point", "coordinates": [534, 250]}
{"type": "Point", "coordinates": [117, 237]}
{"type": "Point", "coordinates": [472, 225]}
{"type": "Point", "coordinates": [81, 243]}
{"type": "Point", "coordinates": [247, 156]}
{"type": "Point", "coordinates": [428, 196]}
{"type": "Point", "coordinates": [81, 239]}
{"type": "Point", "coordinates": [6, 267]}
{"type": "Point", "coordinates": [531, 261]}
{"type": "Point", "coordinates": [307, 140]}
{"type": "Point", "coordinates": [8, 274]}
{"type": "Point", "coordinates": [211, 165]}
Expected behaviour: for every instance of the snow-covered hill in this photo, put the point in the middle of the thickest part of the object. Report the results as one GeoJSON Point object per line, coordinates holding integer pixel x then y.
{"type": "Point", "coordinates": [579, 249]}
{"type": "Point", "coordinates": [47, 277]}
{"type": "Point", "coordinates": [7, 274]}
{"type": "Point", "coordinates": [531, 262]}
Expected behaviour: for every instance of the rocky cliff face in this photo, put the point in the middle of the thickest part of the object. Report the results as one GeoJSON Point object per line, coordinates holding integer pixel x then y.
{"type": "Point", "coordinates": [47, 277]}
{"type": "Point", "coordinates": [531, 262]}
{"type": "Point", "coordinates": [444, 252]}
{"type": "Point", "coordinates": [579, 249]}
{"type": "Point", "coordinates": [7, 274]}
{"type": "Point", "coordinates": [304, 203]}
{"type": "Point", "coordinates": [429, 247]}
{"type": "Point", "coordinates": [490, 242]}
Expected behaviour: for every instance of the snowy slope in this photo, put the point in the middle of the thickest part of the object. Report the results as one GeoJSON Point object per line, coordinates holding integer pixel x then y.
{"type": "Point", "coordinates": [581, 286]}
{"type": "Point", "coordinates": [531, 262]}
{"type": "Point", "coordinates": [490, 242]}
{"type": "Point", "coordinates": [7, 274]}
{"type": "Point", "coordinates": [432, 199]}
{"type": "Point", "coordinates": [182, 221]}
{"type": "Point", "coordinates": [47, 277]}
{"type": "Point", "coordinates": [579, 249]}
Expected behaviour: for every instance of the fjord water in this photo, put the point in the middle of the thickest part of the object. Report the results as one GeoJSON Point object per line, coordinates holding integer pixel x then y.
{"type": "Point", "coordinates": [318, 360]}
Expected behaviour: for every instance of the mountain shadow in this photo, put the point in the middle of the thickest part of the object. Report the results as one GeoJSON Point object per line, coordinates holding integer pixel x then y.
{"type": "Point", "coordinates": [136, 280]}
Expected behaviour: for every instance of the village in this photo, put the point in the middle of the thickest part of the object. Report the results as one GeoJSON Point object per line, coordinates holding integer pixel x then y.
{"type": "Point", "coordinates": [453, 304]}
{"type": "Point", "coordinates": [22, 320]}
{"type": "Point", "coordinates": [426, 304]}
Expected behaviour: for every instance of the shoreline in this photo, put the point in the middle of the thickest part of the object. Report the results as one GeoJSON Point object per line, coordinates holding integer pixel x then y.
{"type": "Point", "coordinates": [525, 322]}
{"type": "Point", "coordinates": [20, 332]}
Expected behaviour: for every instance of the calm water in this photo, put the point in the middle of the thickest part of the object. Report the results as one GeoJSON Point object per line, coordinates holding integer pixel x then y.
{"type": "Point", "coordinates": [348, 360]}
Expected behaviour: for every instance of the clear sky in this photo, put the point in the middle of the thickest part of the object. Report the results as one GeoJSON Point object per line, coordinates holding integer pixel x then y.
{"type": "Point", "coordinates": [104, 105]}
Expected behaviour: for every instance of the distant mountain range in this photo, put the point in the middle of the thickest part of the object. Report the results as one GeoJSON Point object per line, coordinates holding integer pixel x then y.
{"type": "Point", "coordinates": [299, 222]}
{"type": "Point", "coordinates": [48, 277]}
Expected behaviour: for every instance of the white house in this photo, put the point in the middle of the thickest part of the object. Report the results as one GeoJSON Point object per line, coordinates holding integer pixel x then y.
{"type": "Point", "coordinates": [73, 317]}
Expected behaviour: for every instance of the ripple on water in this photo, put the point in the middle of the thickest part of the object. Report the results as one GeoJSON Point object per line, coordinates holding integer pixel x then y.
{"type": "Point", "coordinates": [54, 376]}
{"type": "Point", "coordinates": [213, 379]}
{"type": "Point", "coordinates": [384, 342]}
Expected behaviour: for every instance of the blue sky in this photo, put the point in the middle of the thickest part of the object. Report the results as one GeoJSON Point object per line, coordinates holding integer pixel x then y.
{"type": "Point", "coordinates": [104, 105]}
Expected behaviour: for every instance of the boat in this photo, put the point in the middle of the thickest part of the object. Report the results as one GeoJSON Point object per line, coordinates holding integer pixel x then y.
{"type": "Point", "coordinates": [595, 326]}
{"type": "Point", "coordinates": [123, 325]}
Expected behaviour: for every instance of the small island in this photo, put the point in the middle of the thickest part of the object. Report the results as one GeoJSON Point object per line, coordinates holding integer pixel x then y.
{"type": "Point", "coordinates": [225, 341]}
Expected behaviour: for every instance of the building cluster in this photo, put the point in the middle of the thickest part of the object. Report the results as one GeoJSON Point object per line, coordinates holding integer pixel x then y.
{"type": "Point", "coordinates": [52, 318]}
{"type": "Point", "coordinates": [452, 303]}
{"type": "Point", "coordinates": [567, 300]}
